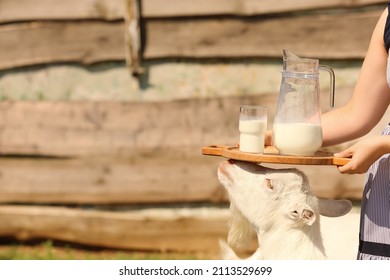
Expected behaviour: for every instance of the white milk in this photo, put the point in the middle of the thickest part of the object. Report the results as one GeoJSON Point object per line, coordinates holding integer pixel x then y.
{"type": "Point", "coordinates": [297, 138]}
{"type": "Point", "coordinates": [252, 135]}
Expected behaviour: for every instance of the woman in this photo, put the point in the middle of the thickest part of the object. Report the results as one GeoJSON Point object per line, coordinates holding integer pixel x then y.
{"type": "Point", "coordinates": [371, 97]}
{"type": "Point", "coordinates": [367, 106]}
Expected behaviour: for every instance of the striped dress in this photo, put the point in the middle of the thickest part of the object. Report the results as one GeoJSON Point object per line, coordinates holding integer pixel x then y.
{"type": "Point", "coordinates": [374, 233]}
{"type": "Point", "coordinates": [374, 236]}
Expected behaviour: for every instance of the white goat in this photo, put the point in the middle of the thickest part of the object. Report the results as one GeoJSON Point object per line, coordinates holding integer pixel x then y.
{"type": "Point", "coordinates": [278, 206]}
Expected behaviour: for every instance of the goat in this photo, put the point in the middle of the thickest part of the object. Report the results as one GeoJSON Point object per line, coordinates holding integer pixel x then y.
{"type": "Point", "coordinates": [278, 206]}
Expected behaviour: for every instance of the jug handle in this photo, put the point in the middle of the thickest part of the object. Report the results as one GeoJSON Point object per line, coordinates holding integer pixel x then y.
{"type": "Point", "coordinates": [332, 83]}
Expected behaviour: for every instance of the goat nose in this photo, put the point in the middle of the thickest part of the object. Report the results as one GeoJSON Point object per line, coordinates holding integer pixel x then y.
{"type": "Point", "coordinates": [222, 170]}
{"type": "Point", "coordinates": [223, 165]}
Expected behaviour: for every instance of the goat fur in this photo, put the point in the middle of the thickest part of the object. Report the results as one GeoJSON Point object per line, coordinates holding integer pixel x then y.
{"type": "Point", "coordinates": [278, 206]}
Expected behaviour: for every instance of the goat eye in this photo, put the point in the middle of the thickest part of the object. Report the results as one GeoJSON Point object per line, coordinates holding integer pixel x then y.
{"type": "Point", "coordinates": [269, 184]}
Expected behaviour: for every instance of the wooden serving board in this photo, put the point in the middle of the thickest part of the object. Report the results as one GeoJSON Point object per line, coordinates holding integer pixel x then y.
{"type": "Point", "coordinates": [271, 155]}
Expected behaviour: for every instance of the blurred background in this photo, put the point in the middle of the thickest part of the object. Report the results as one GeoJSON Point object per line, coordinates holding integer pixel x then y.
{"type": "Point", "coordinates": [106, 104]}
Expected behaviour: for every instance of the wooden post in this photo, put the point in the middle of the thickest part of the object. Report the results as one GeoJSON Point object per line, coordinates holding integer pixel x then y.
{"type": "Point", "coordinates": [133, 37]}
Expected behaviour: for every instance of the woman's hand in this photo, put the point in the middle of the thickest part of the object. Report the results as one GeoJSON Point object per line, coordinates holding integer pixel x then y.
{"type": "Point", "coordinates": [364, 153]}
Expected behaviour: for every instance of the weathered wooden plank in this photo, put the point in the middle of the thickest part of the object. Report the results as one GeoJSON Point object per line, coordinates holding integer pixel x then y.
{"type": "Point", "coordinates": [311, 35]}
{"type": "Point", "coordinates": [140, 180]}
{"type": "Point", "coordinates": [119, 128]}
{"type": "Point", "coordinates": [26, 10]}
{"type": "Point", "coordinates": [25, 44]}
{"type": "Point", "coordinates": [136, 180]}
{"type": "Point", "coordinates": [178, 8]}
{"type": "Point", "coordinates": [182, 229]}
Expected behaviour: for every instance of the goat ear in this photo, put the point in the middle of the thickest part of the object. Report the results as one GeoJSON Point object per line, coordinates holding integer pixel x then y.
{"type": "Point", "coordinates": [334, 208]}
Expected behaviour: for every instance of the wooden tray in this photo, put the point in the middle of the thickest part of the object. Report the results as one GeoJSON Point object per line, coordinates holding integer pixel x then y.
{"type": "Point", "coordinates": [271, 155]}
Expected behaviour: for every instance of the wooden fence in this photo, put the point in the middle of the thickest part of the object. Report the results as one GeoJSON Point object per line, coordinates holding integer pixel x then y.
{"type": "Point", "coordinates": [90, 31]}
{"type": "Point", "coordinates": [93, 157]}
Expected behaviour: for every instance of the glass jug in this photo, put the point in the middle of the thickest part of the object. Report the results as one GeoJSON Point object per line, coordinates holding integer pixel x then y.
{"type": "Point", "coordinates": [297, 126]}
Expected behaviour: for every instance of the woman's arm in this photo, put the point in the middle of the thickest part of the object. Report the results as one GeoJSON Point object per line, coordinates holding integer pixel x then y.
{"type": "Point", "coordinates": [370, 99]}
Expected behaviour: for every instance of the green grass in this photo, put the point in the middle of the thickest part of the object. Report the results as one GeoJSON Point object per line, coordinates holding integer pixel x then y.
{"type": "Point", "coordinates": [47, 250]}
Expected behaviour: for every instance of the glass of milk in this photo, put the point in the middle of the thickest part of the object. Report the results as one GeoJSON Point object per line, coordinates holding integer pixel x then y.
{"type": "Point", "coordinates": [252, 126]}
